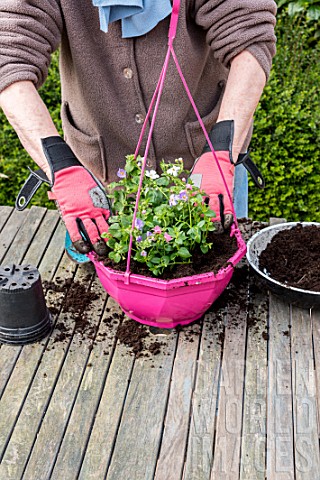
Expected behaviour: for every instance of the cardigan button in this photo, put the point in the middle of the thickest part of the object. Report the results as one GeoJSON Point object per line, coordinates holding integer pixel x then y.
{"type": "Point", "coordinates": [139, 118]}
{"type": "Point", "coordinates": [127, 73]}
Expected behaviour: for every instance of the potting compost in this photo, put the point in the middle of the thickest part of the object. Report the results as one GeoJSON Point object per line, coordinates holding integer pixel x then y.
{"type": "Point", "coordinates": [293, 257]}
{"type": "Point", "coordinates": [224, 247]}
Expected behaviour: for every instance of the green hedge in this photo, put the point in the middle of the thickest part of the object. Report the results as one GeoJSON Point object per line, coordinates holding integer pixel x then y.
{"type": "Point", "coordinates": [286, 140]}
{"type": "Point", "coordinates": [13, 158]}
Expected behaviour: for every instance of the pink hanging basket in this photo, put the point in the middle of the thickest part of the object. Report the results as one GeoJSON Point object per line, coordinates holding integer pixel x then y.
{"type": "Point", "coordinates": [167, 303]}
{"type": "Point", "coordinates": [157, 302]}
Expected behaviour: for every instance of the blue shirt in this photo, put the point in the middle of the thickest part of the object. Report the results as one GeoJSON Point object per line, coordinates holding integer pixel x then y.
{"type": "Point", "coordinates": [137, 17]}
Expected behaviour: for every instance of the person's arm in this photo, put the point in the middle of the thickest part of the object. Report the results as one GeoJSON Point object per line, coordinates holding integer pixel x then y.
{"type": "Point", "coordinates": [244, 87]}
{"type": "Point", "coordinates": [30, 118]}
{"type": "Point", "coordinates": [80, 198]}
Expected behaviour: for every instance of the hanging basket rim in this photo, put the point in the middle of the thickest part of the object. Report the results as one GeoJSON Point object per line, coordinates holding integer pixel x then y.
{"type": "Point", "coordinates": [159, 283]}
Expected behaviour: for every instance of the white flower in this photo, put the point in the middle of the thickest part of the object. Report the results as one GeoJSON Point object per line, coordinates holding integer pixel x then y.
{"type": "Point", "coordinates": [152, 174]}
{"type": "Point", "coordinates": [174, 170]}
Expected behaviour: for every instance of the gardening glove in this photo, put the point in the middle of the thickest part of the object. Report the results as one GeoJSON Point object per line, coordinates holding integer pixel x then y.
{"type": "Point", "coordinates": [80, 198]}
{"type": "Point", "coordinates": [206, 175]}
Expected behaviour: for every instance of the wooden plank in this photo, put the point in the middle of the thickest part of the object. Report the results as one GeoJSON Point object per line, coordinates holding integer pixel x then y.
{"type": "Point", "coordinates": [21, 380]}
{"type": "Point", "coordinates": [35, 407]}
{"type": "Point", "coordinates": [277, 220]}
{"type": "Point", "coordinates": [138, 440]}
{"type": "Point", "coordinates": [253, 442]}
{"type": "Point", "coordinates": [23, 435]}
{"type": "Point", "coordinates": [5, 212]}
{"type": "Point", "coordinates": [8, 358]}
{"type": "Point", "coordinates": [306, 444]}
{"type": "Point", "coordinates": [42, 238]}
{"type": "Point", "coordinates": [32, 353]}
{"type": "Point", "coordinates": [226, 459]}
{"type": "Point", "coordinates": [27, 231]}
{"type": "Point", "coordinates": [174, 440]}
{"type": "Point", "coordinates": [280, 456]}
{"type": "Point", "coordinates": [108, 416]}
{"type": "Point", "coordinates": [199, 457]}
{"type": "Point", "coordinates": [56, 418]}
{"type": "Point", "coordinates": [204, 402]}
{"type": "Point", "coordinates": [315, 320]}
{"type": "Point", "coordinates": [83, 415]}
{"type": "Point", "coordinates": [9, 231]}
{"type": "Point", "coordinates": [53, 253]}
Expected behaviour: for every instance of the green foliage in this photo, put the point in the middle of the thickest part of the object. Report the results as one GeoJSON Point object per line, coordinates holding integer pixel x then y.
{"type": "Point", "coordinates": [172, 218]}
{"type": "Point", "coordinates": [306, 9]}
{"type": "Point", "coordinates": [310, 7]}
{"type": "Point", "coordinates": [14, 160]}
{"type": "Point", "coordinates": [286, 140]}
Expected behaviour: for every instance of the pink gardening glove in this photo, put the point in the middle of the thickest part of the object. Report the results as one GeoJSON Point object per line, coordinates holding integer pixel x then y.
{"type": "Point", "coordinates": [81, 200]}
{"type": "Point", "coordinates": [206, 175]}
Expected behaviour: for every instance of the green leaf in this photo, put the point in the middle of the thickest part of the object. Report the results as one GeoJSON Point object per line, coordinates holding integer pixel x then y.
{"type": "Point", "coordinates": [156, 260]}
{"type": "Point", "coordinates": [111, 243]}
{"type": "Point", "coordinates": [114, 226]}
{"type": "Point", "coordinates": [204, 248]}
{"type": "Point", "coordinates": [115, 257]}
{"type": "Point", "coordinates": [162, 181]}
{"type": "Point", "coordinates": [165, 260]}
{"type": "Point", "coordinates": [184, 252]}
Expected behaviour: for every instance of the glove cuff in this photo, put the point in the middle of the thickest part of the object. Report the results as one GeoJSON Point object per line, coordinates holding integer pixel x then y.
{"type": "Point", "coordinates": [221, 137]}
{"type": "Point", "coordinates": [59, 154]}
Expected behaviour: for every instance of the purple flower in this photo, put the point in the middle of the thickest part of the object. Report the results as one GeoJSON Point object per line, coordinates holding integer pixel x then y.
{"type": "Point", "coordinates": [167, 237]}
{"type": "Point", "coordinates": [173, 200]}
{"type": "Point", "coordinates": [139, 239]}
{"type": "Point", "coordinates": [139, 224]}
{"type": "Point", "coordinates": [183, 195]}
{"type": "Point", "coordinates": [143, 253]}
{"type": "Point", "coordinates": [121, 173]}
{"type": "Point", "coordinates": [149, 234]}
{"type": "Point", "coordinates": [157, 229]}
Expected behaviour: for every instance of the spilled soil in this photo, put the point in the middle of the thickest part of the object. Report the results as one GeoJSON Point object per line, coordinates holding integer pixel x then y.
{"type": "Point", "coordinates": [78, 299]}
{"type": "Point", "coordinates": [293, 257]}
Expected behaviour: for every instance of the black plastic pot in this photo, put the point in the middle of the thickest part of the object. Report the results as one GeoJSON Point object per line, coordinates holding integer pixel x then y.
{"type": "Point", "coordinates": [256, 245]}
{"type": "Point", "coordinates": [24, 316]}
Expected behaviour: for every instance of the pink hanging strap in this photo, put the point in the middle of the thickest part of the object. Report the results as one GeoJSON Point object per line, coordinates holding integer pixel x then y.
{"type": "Point", "coordinates": [155, 103]}
{"type": "Point", "coordinates": [174, 21]}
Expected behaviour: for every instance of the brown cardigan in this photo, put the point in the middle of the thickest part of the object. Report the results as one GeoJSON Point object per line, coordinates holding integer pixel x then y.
{"type": "Point", "coordinates": [107, 81]}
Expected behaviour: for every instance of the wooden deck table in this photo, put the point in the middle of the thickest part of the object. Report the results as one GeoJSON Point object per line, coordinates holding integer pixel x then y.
{"type": "Point", "coordinates": [238, 401]}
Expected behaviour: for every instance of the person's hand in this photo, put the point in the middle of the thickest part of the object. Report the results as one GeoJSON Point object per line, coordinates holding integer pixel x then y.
{"type": "Point", "coordinates": [206, 175]}
{"type": "Point", "coordinates": [80, 198]}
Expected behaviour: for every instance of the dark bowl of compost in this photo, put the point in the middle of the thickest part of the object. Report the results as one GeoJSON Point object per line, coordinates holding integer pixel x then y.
{"type": "Point", "coordinates": [286, 259]}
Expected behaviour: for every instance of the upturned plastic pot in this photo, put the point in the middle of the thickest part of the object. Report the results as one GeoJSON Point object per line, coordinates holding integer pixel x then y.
{"type": "Point", "coordinates": [24, 316]}
{"type": "Point", "coordinates": [167, 303]}
{"type": "Point", "coordinates": [256, 245]}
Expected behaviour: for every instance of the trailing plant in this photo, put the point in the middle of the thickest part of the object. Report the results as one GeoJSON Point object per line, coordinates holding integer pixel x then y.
{"type": "Point", "coordinates": [172, 217]}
